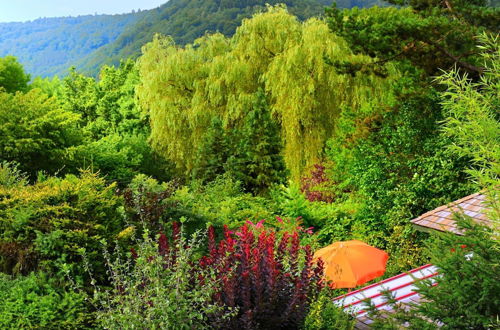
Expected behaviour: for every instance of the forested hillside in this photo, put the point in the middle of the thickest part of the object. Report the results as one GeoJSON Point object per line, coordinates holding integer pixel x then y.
{"type": "Point", "coordinates": [50, 46]}
{"type": "Point", "coordinates": [186, 20]}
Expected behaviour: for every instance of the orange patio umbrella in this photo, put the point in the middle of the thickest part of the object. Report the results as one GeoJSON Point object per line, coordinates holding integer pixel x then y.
{"type": "Point", "coordinates": [351, 263]}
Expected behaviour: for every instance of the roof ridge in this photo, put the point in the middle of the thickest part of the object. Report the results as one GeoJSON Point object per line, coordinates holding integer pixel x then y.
{"type": "Point", "coordinates": [449, 205]}
{"type": "Point", "coordinates": [443, 218]}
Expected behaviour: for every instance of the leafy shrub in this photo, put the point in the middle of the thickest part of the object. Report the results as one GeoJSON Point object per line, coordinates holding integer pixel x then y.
{"type": "Point", "coordinates": [221, 202]}
{"type": "Point", "coordinates": [31, 302]}
{"type": "Point", "coordinates": [47, 223]}
{"type": "Point", "coordinates": [269, 282]}
{"type": "Point", "coordinates": [153, 205]}
{"type": "Point", "coordinates": [292, 203]}
{"type": "Point", "coordinates": [115, 156]}
{"type": "Point", "coordinates": [250, 279]}
{"type": "Point", "coordinates": [147, 202]}
{"type": "Point", "coordinates": [318, 187]}
{"type": "Point", "coordinates": [324, 315]}
{"type": "Point", "coordinates": [157, 286]}
{"type": "Point", "coordinates": [11, 176]}
{"type": "Point", "coordinates": [338, 221]}
{"type": "Point", "coordinates": [332, 221]}
{"type": "Point", "coordinates": [119, 157]}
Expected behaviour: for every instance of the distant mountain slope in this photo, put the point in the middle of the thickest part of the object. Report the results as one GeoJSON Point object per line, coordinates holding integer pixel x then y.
{"type": "Point", "coordinates": [50, 46]}
{"type": "Point", "coordinates": [186, 20]}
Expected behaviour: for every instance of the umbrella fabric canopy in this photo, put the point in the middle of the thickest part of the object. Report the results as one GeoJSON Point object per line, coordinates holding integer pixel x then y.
{"type": "Point", "coordinates": [351, 263]}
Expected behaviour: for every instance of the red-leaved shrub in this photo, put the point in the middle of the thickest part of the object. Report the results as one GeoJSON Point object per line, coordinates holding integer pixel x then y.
{"type": "Point", "coordinates": [317, 187]}
{"type": "Point", "coordinates": [270, 282]}
{"type": "Point", "coordinates": [253, 279]}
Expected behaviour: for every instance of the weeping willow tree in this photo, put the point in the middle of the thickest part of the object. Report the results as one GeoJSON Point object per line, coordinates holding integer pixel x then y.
{"type": "Point", "coordinates": [218, 77]}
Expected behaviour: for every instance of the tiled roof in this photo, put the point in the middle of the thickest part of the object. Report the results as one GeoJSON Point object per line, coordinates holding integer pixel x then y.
{"type": "Point", "coordinates": [442, 218]}
{"type": "Point", "coordinates": [402, 288]}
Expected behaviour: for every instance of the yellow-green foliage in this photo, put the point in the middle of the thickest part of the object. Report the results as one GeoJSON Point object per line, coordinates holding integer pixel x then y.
{"type": "Point", "coordinates": [50, 221]}
{"type": "Point", "coordinates": [34, 302]}
{"type": "Point", "coordinates": [184, 88]}
{"type": "Point", "coordinates": [221, 202]}
{"type": "Point", "coordinates": [35, 131]}
{"type": "Point", "coordinates": [324, 315]}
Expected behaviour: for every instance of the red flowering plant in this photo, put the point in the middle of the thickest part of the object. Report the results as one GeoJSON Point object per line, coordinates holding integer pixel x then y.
{"type": "Point", "coordinates": [271, 282]}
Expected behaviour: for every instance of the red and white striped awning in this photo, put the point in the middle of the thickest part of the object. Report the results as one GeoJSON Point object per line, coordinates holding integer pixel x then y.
{"type": "Point", "coordinates": [402, 288]}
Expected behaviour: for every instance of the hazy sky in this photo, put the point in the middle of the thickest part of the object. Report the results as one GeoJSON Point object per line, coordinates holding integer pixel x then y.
{"type": "Point", "coordinates": [25, 10]}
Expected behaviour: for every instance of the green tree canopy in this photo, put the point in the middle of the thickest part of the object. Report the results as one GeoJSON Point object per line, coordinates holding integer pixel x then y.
{"type": "Point", "coordinates": [12, 75]}
{"type": "Point", "coordinates": [114, 130]}
{"type": "Point", "coordinates": [36, 132]}
{"type": "Point", "coordinates": [184, 88]}
{"type": "Point", "coordinates": [431, 34]}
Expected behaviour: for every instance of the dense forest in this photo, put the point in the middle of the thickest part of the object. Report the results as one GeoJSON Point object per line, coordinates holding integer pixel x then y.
{"type": "Point", "coordinates": [49, 46]}
{"type": "Point", "coordinates": [188, 186]}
